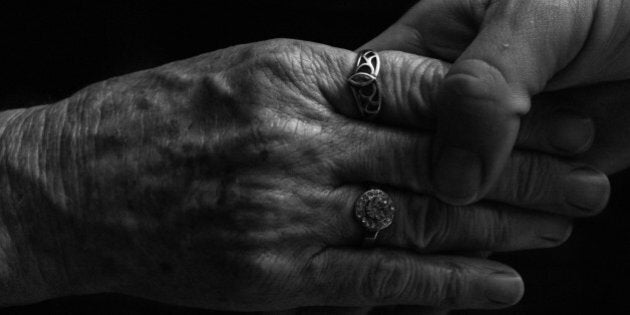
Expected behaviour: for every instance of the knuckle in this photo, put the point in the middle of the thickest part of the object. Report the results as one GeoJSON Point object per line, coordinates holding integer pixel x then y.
{"type": "Point", "coordinates": [275, 56]}
{"type": "Point", "coordinates": [286, 53]}
{"type": "Point", "coordinates": [412, 81]}
{"type": "Point", "coordinates": [431, 225]}
{"type": "Point", "coordinates": [322, 278]}
{"type": "Point", "coordinates": [476, 79]}
{"type": "Point", "coordinates": [296, 65]}
{"type": "Point", "coordinates": [386, 280]}
{"type": "Point", "coordinates": [411, 167]}
{"type": "Point", "coordinates": [531, 179]}
{"type": "Point", "coordinates": [277, 46]}
{"type": "Point", "coordinates": [254, 271]}
{"type": "Point", "coordinates": [413, 38]}
{"type": "Point", "coordinates": [449, 289]}
{"type": "Point", "coordinates": [498, 231]}
{"type": "Point", "coordinates": [429, 81]}
{"type": "Point", "coordinates": [447, 227]}
{"type": "Point", "coordinates": [472, 78]}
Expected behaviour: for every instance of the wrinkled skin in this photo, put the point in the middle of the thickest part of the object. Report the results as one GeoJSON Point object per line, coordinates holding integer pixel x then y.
{"type": "Point", "coordinates": [607, 107]}
{"type": "Point", "coordinates": [504, 52]}
{"type": "Point", "coordinates": [227, 181]}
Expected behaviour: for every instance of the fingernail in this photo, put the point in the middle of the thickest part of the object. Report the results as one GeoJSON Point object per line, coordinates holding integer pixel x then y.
{"type": "Point", "coordinates": [587, 189]}
{"type": "Point", "coordinates": [554, 232]}
{"type": "Point", "coordinates": [457, 176]}
{"type": "Point", "coordinates": [504, 288]}
{"type": "Point", "coordinates": [572, 132]}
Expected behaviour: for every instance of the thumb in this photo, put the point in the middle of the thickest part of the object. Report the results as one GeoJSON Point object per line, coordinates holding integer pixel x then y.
{"type": "Point", "coordinates": [520, 46]}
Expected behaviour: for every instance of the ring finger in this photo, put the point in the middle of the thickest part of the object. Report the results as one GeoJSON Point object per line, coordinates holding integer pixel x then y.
{"type": "Point", "coordinates": [425, 224]}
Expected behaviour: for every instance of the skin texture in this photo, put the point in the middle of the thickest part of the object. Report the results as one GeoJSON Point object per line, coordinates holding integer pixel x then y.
{"type": "Point", "coordinates": [605, 106]}
{"type": "Point", "coordinates": [504, 52]}
{"type": "Point", "coordinates": [227, 181]}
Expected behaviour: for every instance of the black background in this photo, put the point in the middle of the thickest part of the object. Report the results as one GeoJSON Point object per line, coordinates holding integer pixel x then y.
{"type": "Point", "coordinates": [49, 51]}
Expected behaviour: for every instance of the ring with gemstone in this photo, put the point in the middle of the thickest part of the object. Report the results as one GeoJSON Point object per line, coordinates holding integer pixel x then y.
{"type": "Point", "coordinates": [375, 210]}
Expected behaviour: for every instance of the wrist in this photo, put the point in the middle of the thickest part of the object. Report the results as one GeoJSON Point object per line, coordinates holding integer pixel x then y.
{"type": "Point", "coordinates": [25, 265]}
{"type": "Point", "coordinates": [39, 252]}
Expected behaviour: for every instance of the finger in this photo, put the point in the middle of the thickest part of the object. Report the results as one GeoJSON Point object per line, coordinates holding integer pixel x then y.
{"type": "Point", "coordinates": [492, 80]}
{"type": "Point", "coordinates": [488, 88]}
{"type": "Point", "coordinates": [556, 129]}
{"type": "Point", "coordinates": [544, 182]}
{"type": "Point", "coordinates": [606, 105]}
{"type": "Point", "coordinates": [400, 37]}
{"type": "Point", "coordinates": [348, 277]}
{"type": "Point", "coordinates": [401, 159]}
{"type": "Point", "coordinates": [427, 225]}
{"type": "Point", "coordinates": [409, 86]}
{"type": "Point", "coordinates": [431, 29]}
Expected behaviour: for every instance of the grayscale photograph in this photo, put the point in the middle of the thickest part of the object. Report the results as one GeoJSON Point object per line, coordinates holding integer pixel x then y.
{"type": "Point", "coordinates": [286, 157]}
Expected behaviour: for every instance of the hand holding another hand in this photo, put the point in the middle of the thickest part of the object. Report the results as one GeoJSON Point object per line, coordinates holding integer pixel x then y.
{"type": "Point", "coordinates": [504, 52]}
{"type": "Point", "coordinates": [606, 105]}
{"type": "Point", "coordinates": [228, 181]}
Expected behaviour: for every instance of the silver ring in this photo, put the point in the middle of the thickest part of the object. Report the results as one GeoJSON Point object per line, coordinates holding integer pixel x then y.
{"type": "Point", "coordinates": [364, 84]}
{"type": "Point", "coordinates": [374, 209]}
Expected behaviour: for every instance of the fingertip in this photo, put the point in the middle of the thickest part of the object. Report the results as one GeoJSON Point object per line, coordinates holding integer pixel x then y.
{"type": "Point", "coordinates": [472, 83]}
{"type": "Point", "coordinates": [587, 190]}
{"type": "Point", "coordinates": [478, 123]}
{"type": "Point", "coordinates": [461, 84]}
{"type": "Point", "coordinates": [504, 288]}
{"type": "Point", "coordinates": [571, 133]}
{"type": "Point", "coordinates": [457, 176]}
{"type": "Point", "coordinates": [555, 232]}
{"type": "Point", "coordinates": [556, 129]}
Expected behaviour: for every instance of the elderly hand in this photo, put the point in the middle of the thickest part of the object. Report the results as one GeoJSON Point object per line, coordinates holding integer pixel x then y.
{"type": "Point", "coordinates": [228, 181]}
{"type": "Point", "coordinates": [504, 52]}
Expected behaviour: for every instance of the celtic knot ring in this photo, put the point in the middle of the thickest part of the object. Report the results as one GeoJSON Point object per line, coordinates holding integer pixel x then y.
{"type": "Point", "coordinates": [375, 210]}
{"type": "Point", "coordinates": [364, 84]}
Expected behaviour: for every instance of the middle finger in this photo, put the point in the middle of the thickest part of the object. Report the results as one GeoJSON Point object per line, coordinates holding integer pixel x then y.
{"type": "Point", "coordinates": [401, 159]}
